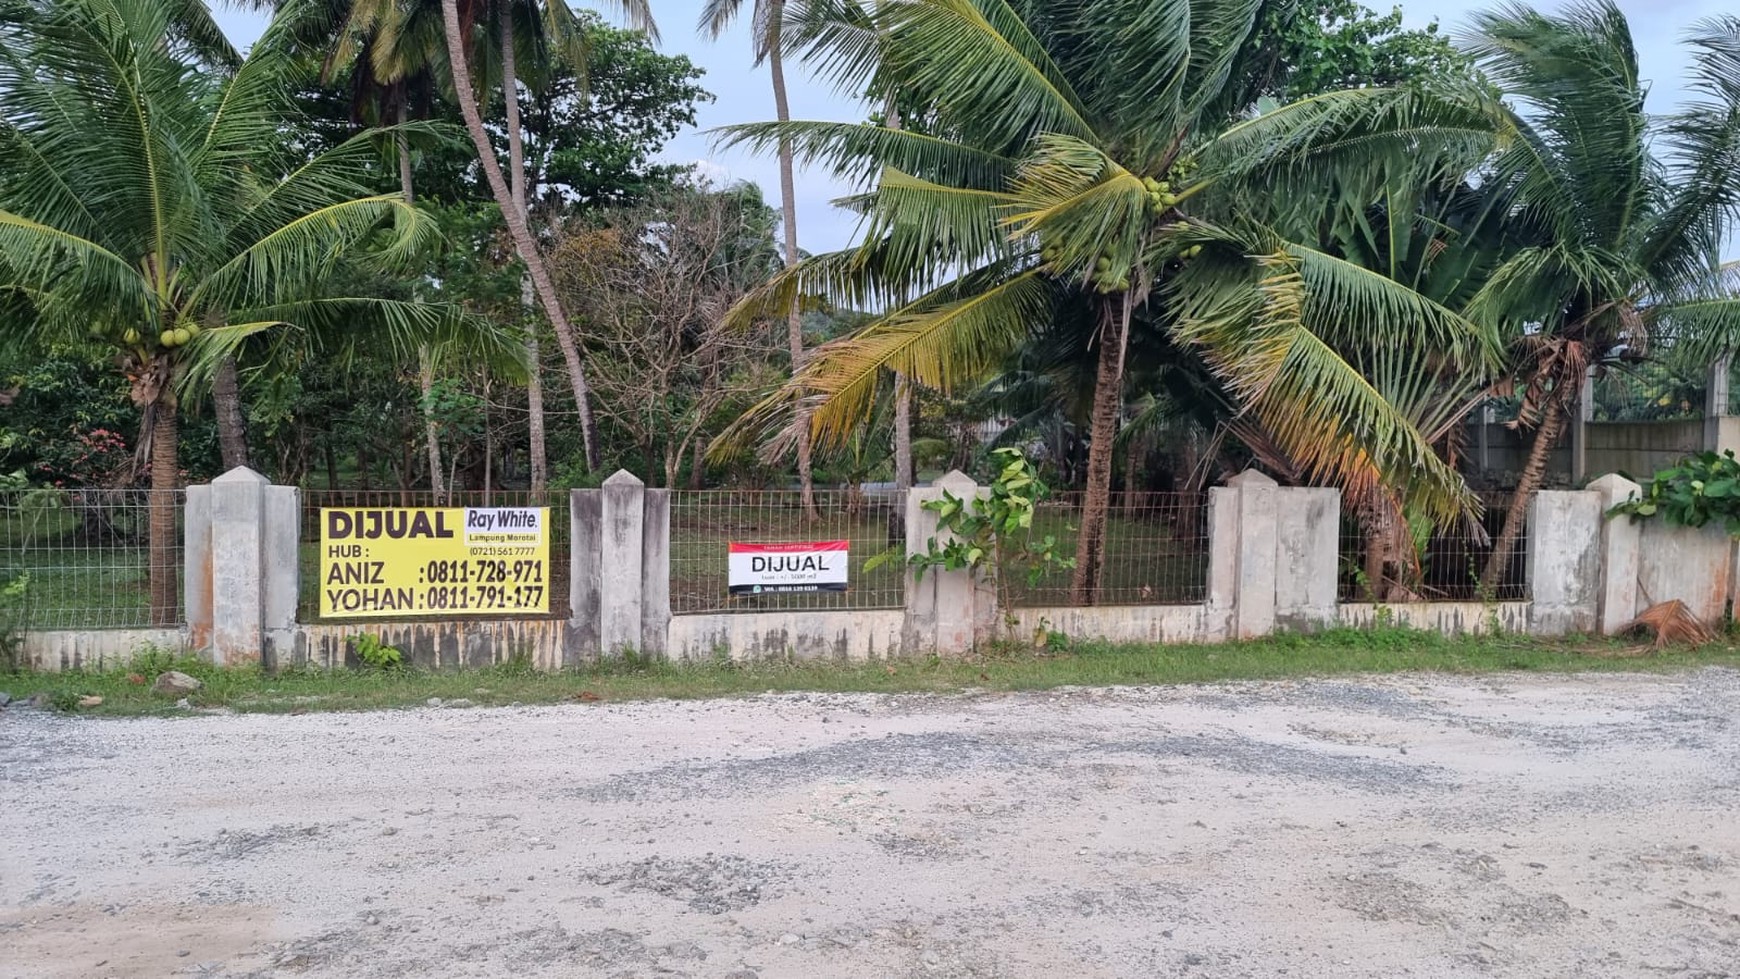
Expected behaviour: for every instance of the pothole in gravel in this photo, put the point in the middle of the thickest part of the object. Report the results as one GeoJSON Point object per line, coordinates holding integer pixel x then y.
{"type": "Point", "coordinates": [1252, 757]}
{"type": "Point", "coordinates": [891, 758]}
{"type": "Point", "coordinates": [710, 885]}
{"type": "Point", "coordinates": [236, 844]}
{"type": "Point", "coordinates": [917, 846]}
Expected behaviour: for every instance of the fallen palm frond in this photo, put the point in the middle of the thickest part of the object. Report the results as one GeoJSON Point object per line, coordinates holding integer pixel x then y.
{"type": "Point", "coordinates": [1673, 624]}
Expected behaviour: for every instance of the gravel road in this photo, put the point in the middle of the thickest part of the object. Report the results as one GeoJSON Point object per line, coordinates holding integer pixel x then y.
{"type": "Point", "coordinates": [1411, 826]}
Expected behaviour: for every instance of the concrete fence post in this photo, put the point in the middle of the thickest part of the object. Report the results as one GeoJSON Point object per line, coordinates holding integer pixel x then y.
{"type": "Point", "coordinates": [196, 581]}
{"type": "Point", "coordinates": [1621, 550]}
{"type": "Point", "coordinates": [947, 612]}
{"type": "Point", "coordinates": [1223, 563]}
{"type": "Point", "coordinates": [655, 573]}
{"type": "Point", "coordinates": [1307, 554]}
{"type": "Point", "coordinates": [1272, 556]}
{"type": "Point", "coordinates": [281, 537]}
{"type": "Point", "coordinates": [621, 564]}
{"type": "Point", "coordinates": [1253, 553]}
{"type": "Point", "coordinates": [1564, 562]}
{"type": "Point", "coordinates": [585, 576]}
{"type": "Point", "coordinates": [238, 567]}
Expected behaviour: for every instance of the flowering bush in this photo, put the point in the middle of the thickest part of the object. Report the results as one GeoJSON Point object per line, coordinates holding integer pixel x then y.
{"type": "Point", "coordinates": [98, 457]}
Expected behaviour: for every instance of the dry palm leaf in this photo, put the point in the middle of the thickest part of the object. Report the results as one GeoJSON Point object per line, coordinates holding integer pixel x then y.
{"type": "Point", "coordinates": [1673, 625]}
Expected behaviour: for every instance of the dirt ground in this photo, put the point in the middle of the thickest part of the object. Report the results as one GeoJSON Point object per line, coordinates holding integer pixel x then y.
{"type": "Point", "coordinates": [1414, 826]}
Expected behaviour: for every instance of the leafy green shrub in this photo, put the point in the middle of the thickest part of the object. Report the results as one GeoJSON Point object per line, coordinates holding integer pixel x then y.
{"type": "Point", "coordinates": [1701, 489]}
{"type": "Point", "coordinates": [377, 654]}
{"type": "Point", "coordinates": [994, 533]}
{"type": "Point", "coordinates": [12, 621]}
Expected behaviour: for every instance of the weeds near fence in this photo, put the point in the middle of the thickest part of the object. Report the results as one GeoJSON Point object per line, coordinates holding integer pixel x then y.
{"type": "Point", "coordinates": [995, 533]}
{"type": "Point", "coordinates": [1058, 661]}
{"type": "Point", "coordinates": [376, 654]}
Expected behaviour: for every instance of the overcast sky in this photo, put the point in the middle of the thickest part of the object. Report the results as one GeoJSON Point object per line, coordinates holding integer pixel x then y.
{"type": "Point", "coordinates": [744, 94]}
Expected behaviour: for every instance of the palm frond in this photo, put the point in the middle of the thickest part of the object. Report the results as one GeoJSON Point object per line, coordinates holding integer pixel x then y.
{"type": "Point", "coordinates": [1371, 136]}
{"type": "Point", "coordinates": [988, 76]}
{"type": "Point", "coordinates": [946, 341]}
{"type": "Point", "coordinates": [1702, 167]}
{"type": "Point", "coordinates": [296, 255]}
{"type": "Point", "coordinates": [64, 271]}
{"type": "Point", "coordinates": [857, 152]}
{"type": "Point", "coordinates": [1071, 195]}
{"type": "Point", "coordinates": [1579, 117]}
{"type": "Point", "coordinates": [1323, 412]}
{"type": "Point", "coordinates": [918, 222]}
{"type": "Point", "coordinates": [837, 39]}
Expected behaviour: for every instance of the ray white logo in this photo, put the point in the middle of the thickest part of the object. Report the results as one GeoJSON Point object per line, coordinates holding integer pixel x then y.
{"type": "Point", "coordinates": [757, 569]}
{"type": "Point", "coordinates": [498, 524]}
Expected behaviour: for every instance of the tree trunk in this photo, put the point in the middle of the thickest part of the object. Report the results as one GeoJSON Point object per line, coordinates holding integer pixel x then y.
{"type": "Point", "coordinates": [517, 188]}
{"type": "Point", "coordinates": [698, 464]}
{"type": "Point", "coordinates": [404, 146]}
{"type": "Point", "coordinates": [903, 474]}
{"type": "Point", "coordinates": [510, 90]}
{"type": "Point", "coordinates": [1090, 546]}
{"type": "Point", "coordinates": [165, 477]}
{"type": "Point", "coordinates": [226, 396]}
{"type": "Point", "coordinates": [1534, 471]}
{"type": "Point", "coordinates": [425, 357]}
{"type": "Point", "coordinates": [788, 205]}
{"type": "Point", "coordinates": [431, 430]}
{"type": "Point", "coordinates": [540, 456]}
{"type": "Point", "coordinates": [1382, 526]}
{"type": "Point", "coordinates": [519, 228]}
{"type": "Point", "coordinates": [488, 453]}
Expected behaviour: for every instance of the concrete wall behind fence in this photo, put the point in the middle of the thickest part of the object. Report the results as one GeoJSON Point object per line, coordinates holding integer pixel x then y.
{"type": "Point", "coordinates": [1273, 565]}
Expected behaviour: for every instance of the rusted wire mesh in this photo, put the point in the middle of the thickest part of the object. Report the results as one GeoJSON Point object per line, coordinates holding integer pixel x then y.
{"type": "Point", "coordinates": [81, 559]}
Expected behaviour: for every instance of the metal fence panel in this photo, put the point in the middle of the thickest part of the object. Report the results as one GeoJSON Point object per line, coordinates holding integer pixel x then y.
{"type": "Point", "coordinates": [86, 558]}
{"type": "Point", "coordinates": [308, 606]}
{"type": "Point", "coordinates": [1451, 561]}
{"type": "Point", "coordinates": [1156, 551]}
{"type": "Point", "coordinates": [704, 522]}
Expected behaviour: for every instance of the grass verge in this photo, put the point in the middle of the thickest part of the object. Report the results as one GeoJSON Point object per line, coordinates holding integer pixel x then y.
{"type": "Point", "coordinates": [126, 691]}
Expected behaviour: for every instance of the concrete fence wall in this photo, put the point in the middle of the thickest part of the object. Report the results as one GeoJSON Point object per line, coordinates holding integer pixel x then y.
{"type": "Point", "coordinates": [1273, 565]}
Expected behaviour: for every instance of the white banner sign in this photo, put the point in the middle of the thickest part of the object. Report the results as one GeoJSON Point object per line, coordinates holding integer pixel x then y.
{"type": "Point", "coordinates": [758, 569]}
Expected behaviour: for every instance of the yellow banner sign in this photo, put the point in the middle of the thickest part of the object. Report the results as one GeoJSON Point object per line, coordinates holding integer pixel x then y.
{"type": "Point", "coordinates": [388, 562]}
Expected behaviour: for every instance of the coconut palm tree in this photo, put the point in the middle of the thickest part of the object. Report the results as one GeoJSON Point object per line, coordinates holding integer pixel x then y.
{"type": "Point", "coordinates": [1087, 176]}
{"type": "Point", "coordinates": [1623, 213]}
{"type": "Point", "coordinates": [154, 204]}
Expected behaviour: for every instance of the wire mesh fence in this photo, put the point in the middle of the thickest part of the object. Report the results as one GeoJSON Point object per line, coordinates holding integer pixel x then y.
{"type": "Point", "coordinates": [704, 523]}
{"type": "Point", "coordinates": [1441, 564]}
{"type": "Point", "coordinates": [82, 559]}
{"type": "Point", "coordinates": [558, 527]}
{"type": "Point", "coordinates": [1156, 551]}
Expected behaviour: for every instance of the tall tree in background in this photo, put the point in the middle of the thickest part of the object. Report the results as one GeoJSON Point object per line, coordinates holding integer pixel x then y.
{"type": "Point", "coordinates": [1620, 245]}
{"type": "Point", "coordinates": [138, 206]}
{"type": "Point", "coordinates": [654, 281]}
{"type": "Point", "coordinates": [458, 32]}
{"type": "Point", "coordinates": [767, 26]}
{"type": "Point", "coordinates": [389, 52]}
